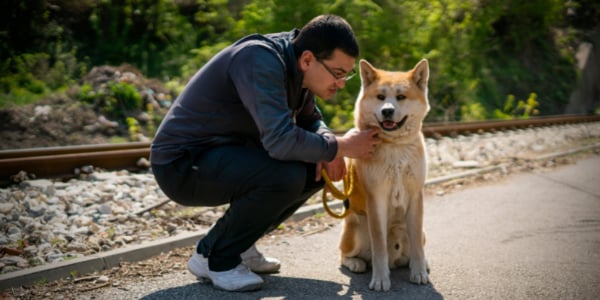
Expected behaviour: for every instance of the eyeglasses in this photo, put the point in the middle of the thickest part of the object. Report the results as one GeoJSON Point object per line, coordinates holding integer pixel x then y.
{"type": "Point", "coordinates": [345, 76]}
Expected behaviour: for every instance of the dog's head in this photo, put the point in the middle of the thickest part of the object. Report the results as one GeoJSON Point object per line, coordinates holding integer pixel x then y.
{"type": "Point", "coordinates": [394, 101]}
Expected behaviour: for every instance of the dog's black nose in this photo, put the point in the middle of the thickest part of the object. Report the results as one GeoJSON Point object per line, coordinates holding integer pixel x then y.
{"type": "Point", "coordinates": [387, 113]}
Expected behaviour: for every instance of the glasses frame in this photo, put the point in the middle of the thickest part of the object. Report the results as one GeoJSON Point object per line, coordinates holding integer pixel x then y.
{"type": "Point", "coordinates": [347, 77]}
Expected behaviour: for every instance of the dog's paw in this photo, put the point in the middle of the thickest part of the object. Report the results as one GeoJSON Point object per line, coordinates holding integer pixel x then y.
{"type": "Point", "coordinates": [380, 284]}
{"type": "Point", "coordinates": [354, 264]}
{"type": "Point", "coordinates": [419, 278]}
{"type": "Point", "coordinates": [419, 273]}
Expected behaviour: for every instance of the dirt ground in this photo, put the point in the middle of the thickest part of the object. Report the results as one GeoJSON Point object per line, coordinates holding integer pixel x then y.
{"type": "Point", "coordinates": [51, 122]}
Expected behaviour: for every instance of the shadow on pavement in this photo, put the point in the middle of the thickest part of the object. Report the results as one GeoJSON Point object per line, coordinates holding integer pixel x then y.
{"type": "Point", "coordinates": [401, 287]}
{"type": "Point", "coordinates": [302, 288]}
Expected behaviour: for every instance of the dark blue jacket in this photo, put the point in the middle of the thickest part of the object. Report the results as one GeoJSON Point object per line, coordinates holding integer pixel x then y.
{"type": "Point", "coordinates": [250, 94]}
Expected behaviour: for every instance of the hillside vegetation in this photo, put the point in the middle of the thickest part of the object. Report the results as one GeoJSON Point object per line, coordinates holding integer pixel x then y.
{"type": "Point", "coordinates": [488, 59]}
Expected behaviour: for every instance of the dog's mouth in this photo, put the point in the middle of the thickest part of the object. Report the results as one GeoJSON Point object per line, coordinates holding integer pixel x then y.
{"type": "Point", "coordinates": [388, 125]}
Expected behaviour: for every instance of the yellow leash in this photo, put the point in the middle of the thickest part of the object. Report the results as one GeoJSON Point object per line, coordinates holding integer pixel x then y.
{"type": "Point", "coordinates": [348, 188]}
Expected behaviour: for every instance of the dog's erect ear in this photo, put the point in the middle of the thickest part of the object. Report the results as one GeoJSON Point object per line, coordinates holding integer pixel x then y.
{"type": "Point", "coordinates": [367, 72]}
{"type": "Point", "coordinates": [420, 74]}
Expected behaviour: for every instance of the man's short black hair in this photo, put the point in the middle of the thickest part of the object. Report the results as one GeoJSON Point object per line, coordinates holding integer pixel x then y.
{"type": "Point", "coordinates": [325, 33]}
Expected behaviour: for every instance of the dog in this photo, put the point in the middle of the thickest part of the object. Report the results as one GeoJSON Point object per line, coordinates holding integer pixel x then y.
{"type": "Point", "coordinates": [384, 224]}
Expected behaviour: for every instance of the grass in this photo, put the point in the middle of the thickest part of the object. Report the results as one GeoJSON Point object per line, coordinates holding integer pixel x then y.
{"type": "Point", "coordinates": [18, 97]}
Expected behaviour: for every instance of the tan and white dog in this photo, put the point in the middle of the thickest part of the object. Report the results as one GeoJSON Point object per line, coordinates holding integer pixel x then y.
{"type": "Point", "coordinates": [384, 226]}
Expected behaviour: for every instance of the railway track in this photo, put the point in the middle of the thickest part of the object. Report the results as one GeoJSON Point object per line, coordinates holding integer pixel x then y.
{"type": "Point", "coordinates": [60, 162]}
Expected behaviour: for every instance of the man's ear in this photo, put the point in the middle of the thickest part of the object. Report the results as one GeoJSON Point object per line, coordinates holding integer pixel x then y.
{"type": "Point", "coordinates": [305, 60]}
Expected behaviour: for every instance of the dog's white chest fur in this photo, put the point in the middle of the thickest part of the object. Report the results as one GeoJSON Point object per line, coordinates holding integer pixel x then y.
{"type": "Point", "coordinates": [403, 170]}
{"type": "Point", "coordinates": [397, 174]}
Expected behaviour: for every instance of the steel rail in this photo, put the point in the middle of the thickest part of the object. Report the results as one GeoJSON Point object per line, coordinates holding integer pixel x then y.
{"type": "Point", "coordinates": [47, 151]}
{"type": "Point", "coordinates": [455, 128]}
{"type": "Point", "coordinates": [60, 162]}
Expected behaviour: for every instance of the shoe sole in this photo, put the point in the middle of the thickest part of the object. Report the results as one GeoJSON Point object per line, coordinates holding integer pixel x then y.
{"type": "Point", "coordinates": [262, 268]}
{"type": "Point", "coordinates": [247, 288]}
{"type": "Point", "coordinates": [203, 279]}
{"type": "Point", "coordinates": [266, 271]}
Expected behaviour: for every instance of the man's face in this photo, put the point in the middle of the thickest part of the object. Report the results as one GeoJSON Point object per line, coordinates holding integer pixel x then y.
{"type": "Point", "coordinates": [325, 77]}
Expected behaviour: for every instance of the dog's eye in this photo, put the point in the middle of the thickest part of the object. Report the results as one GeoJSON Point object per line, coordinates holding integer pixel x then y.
{"type": "Point", "coordinates": [400, 97]}
{"type": "Point", "coordinates": [381, 97]}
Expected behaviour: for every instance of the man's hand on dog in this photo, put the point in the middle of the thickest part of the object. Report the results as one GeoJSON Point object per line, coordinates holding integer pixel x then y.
{"type": "Point", "coordinates": [358, 143]}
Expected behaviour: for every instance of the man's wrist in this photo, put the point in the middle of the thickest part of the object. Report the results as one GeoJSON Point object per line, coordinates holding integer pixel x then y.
{"type": "Point", "coordinates": [341, 147]}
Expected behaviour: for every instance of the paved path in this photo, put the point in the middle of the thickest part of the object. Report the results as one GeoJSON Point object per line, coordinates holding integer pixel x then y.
{"type": "Point", "coordinates": [528, 236]}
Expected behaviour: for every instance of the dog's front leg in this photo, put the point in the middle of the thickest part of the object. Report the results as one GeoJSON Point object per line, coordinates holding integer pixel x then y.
{"type": "Point", "coordinates": [377, 218]}
{"type": "Point", "coordinates": [418, 263]}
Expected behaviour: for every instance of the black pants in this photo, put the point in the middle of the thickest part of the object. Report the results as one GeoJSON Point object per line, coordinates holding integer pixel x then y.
{"type": "Point", "coordinates": [261, 192]}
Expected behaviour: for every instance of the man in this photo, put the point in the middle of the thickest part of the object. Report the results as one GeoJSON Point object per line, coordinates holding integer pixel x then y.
{"type": "Point", "coordinates": [246, 132]}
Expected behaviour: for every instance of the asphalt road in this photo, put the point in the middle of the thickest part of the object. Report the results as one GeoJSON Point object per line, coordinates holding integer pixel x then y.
{"type": "Point", "coordinates": [528, 236]}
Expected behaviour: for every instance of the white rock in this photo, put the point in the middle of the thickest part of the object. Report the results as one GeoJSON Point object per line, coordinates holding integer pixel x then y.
{"type": "Point", "coordinates": [6, 207]}
{"type": "Point", "coordinates": [466, 164]}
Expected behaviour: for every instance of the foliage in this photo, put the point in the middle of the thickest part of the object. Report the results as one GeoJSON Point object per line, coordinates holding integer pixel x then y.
{"type": "Point", "coordinates": [525, 60]}
{"type": "Point", "coordinates": [134, 128]}
{"type": "Point", "coordinates": [473, 112]}
{"type": "Point", "coordinates": [140, 32]}
{"type": "Point", "coordinates": [126, 97]}
{"type": "Point", "coordinates": [152, 119]}
{"type": "Point", "coordinates": [522, 109]}
{"type": "Point", "coordinates": [482, 53]}
{"type": "Point", "coordinates": [118, 99]}
{"type": "Point", "coordinates": [28, 77]}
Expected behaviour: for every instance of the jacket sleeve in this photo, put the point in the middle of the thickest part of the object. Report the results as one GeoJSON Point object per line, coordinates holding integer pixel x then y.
{"type": "Point", "coordinates": [259, 75]}
{"type": "Point", "coordinates": [310, 117]}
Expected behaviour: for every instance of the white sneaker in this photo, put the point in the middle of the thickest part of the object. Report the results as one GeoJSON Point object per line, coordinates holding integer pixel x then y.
{"type": "Point", "coordinates": [258, 263]}
{"type": "Point", "coordinates": [237, 279]}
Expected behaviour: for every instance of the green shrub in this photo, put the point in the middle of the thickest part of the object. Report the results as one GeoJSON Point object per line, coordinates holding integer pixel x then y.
{"type": "Point", "coordinates": [133, 127]}
{"type": "Point", "coordinates": [29, 77]}
{"type": "Point", "coordinates": [19, 89]}
{"type": "Point", "coordinates": [473, 112]}
{"type": "Point", "coordinates": [126, 95]}
{"type": "Point", "coordinates": [522, 109]}
{"type": "Point", "coordinates": [119, 99]}
{"type": "Point", "coordinates": [151, 125]}
{"type": "Point", "coordinates": [87, 94]}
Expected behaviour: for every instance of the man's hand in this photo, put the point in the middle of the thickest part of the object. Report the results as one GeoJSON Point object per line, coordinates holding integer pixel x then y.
{"type": "Point", "coordinates": [358, 144]}
{"type": "Point", "coordinates": [336, 169]}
